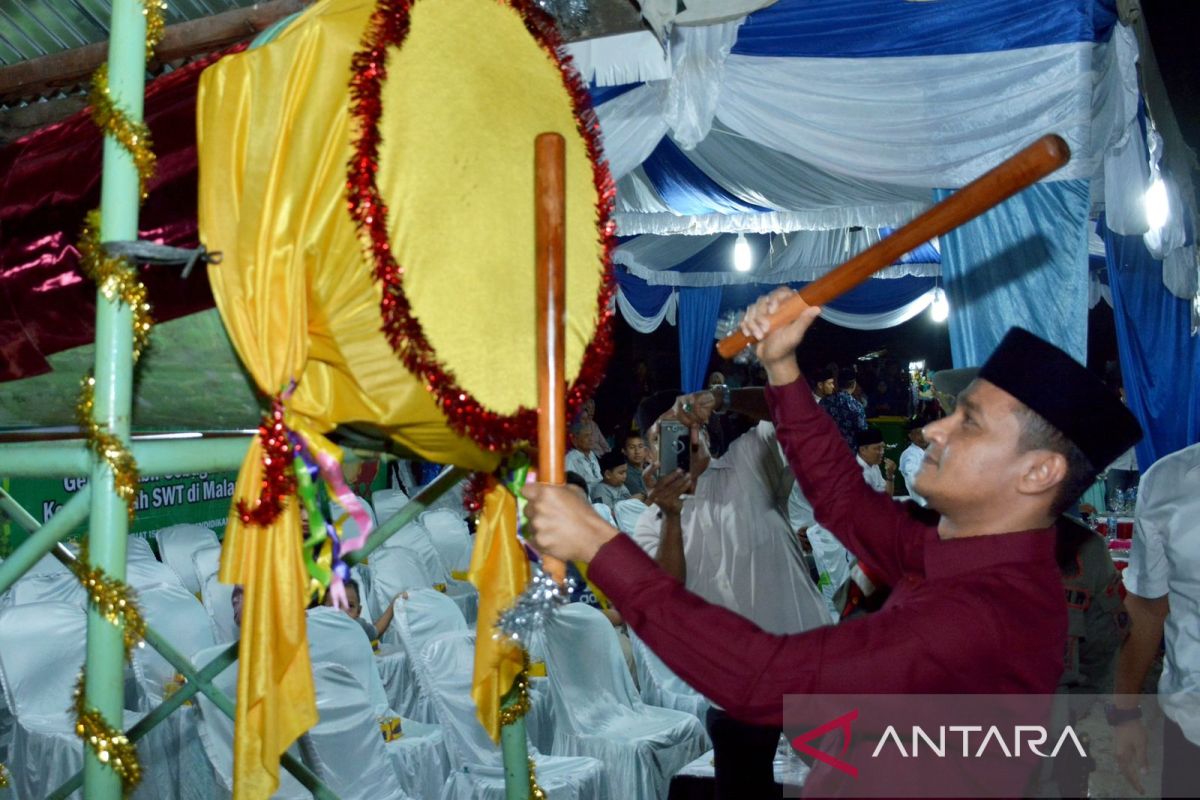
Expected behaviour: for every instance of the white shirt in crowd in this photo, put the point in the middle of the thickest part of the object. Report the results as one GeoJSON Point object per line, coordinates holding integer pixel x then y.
{"type": "Point", "coordinates": [585, 465]}
{"type": "Point", "coordinates": [740, 549]}
{"type": "Point", "coordinates": [872, 475]}
{"type": "Point", "coordinates": [1165, 560]}
{"type": "Point", "coordinates": [910, 464]}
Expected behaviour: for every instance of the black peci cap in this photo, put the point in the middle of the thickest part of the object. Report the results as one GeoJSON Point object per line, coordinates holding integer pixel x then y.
{"type": "Point", "coordinates": [1064, 393]}
{"type": "Point", "coordinates": [868, 436]}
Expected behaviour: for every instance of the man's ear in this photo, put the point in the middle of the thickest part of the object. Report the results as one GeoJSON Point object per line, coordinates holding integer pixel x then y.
{"type": "Point", "coordinates": [1043, 472]}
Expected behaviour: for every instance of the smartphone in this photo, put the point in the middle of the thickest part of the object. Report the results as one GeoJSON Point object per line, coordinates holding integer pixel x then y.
{"type": "Point", "coordinates": [674, 447]}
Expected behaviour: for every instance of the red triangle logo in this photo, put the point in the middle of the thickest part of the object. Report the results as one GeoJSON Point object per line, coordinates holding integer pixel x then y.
{"type": "Point", "coordinates": [842, 723]}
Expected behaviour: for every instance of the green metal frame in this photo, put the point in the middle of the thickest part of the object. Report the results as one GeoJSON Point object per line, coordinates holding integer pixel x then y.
{"type": "Point", "coordinates": [45, 539]}
{"type": "Point", "coordinates": [106, 513]}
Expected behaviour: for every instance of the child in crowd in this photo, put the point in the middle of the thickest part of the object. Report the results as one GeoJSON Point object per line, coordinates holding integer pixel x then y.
{"type": "Point", "coordinates": [373, 631]}
{"type": "Point", "coordinates": [611, 489]}
{"type": "Point", "coordinates": [636, 454]}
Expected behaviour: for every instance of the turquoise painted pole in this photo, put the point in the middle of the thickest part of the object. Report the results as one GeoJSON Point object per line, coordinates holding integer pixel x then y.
{"type": "Point", "coordinates": [119, 202]}
{"type": "Point", "coordinates": [156, 457]}
{"type": "Point", "coordinates": [45, 537]}
{"type": "Point", "coordinates": [411, 510]}
{"type": "Point", "coordinates": [515, 752]}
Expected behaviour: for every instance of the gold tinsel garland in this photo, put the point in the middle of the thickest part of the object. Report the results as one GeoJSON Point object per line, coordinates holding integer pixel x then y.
{"type": "Point", "coordinates": [3, 777]}
{"type": "Point", "coordinates": [132, 134]}
{"type": "Point", "coordinates": [535, 792]}
{"type": "Point", "coordinates": [112, 747]}
{"type": "Point", "coordinates": [116, 278]}
{"type": "Point", "coordinates": [511, 713]}
{"type": "Point", "coordinates": [107, 447]}
{"type": "Point", "coordinates": [116, 602]}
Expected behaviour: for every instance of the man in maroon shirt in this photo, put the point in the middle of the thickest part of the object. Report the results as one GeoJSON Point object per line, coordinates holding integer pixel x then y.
{"type": "Point", "coordinates": [976, 606]}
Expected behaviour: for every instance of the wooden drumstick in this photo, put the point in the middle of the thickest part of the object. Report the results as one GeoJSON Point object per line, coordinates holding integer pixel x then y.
{"type": "Point", "coordinates": [990, 189]}
{"type": "Point", "coordinates": [550, 222]}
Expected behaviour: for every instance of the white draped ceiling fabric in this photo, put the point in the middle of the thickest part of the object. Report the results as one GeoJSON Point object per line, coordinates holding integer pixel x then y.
{"type": "Point", "coordinates": [812, 117]}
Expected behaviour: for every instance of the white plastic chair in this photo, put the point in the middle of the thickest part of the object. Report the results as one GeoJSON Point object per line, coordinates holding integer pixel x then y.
{"type": "Point", "coordinates": [419, 755]}
{"type": "Point", "coordinates": [417, 541]}
{"type": "Point", "coordinates": [42, 648]}
{"type": "Point", "coordinates": [206, 562]}
{"type": "Point", "coordinates": [218, 602]}
{"type": "Point", "coordinates": [451, 537]}
{"type": "Point", "coordinates": [179, 617]}
{"type": "Point", "coordinates": [176, 545]}
{"type": "Point", "coordinates": [47, 565]}
{"type": "Point", "coordinates": [387, 504]}
{"type": "Point", "coordinates": [445, 668]}
{"type": "Point", "coordinates": [424, 615]}
{"type": "Point", "coordinates": [349, 747]}
{"type": "Point", "coordinates": [143, 570]}
{"type": "Point", "coordinates": [601, 715]}
{"type": "Point", "coordinates": [48, 587]}
{"type": "Point", "coordinates": [627, 513]}
{"type": "Point", "coordinates": [661, 687]}
{"type": "Point", "coordinates": [417, 619]}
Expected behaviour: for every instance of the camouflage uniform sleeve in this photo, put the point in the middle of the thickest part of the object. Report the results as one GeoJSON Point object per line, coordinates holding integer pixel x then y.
{"type": "Point", "coordinates": [1106, 622]}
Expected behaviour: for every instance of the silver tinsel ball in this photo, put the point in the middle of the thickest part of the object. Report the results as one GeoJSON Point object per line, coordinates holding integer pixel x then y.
{"type": "Point", "coordinates": [528, 615]}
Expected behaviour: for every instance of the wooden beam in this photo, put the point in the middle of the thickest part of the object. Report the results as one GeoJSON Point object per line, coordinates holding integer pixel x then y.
{"type": "Point", "coordinates": [38, 77]}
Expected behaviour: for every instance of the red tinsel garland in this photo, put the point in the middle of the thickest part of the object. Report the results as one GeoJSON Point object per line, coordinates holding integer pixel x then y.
{"type": "Point", "coordinates": [496, 432]}
{"type": "Point", "coordinates": [278, 481]}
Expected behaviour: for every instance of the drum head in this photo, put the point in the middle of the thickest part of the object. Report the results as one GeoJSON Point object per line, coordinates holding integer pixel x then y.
{"type": "Point", "coordinates": [442, 189]}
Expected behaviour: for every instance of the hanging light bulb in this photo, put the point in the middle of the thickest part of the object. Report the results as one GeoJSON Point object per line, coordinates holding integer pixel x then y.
{"type": "Point", "coordinates": [939, 309]}
{"type": "Point", "coordinates": [741, 254]}
{"type": "Point", "coordinates": [1158, 207]}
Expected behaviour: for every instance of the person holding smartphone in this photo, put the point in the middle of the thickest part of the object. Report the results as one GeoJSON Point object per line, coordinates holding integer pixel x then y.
{"type": "Point", "coordinates": [720, 527]}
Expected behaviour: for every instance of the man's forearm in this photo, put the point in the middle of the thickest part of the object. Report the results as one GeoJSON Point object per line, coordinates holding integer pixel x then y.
{"type": "Point", "coordinates": [1146, 618]}
{"type": "Point", "coordinates": [670, 549]}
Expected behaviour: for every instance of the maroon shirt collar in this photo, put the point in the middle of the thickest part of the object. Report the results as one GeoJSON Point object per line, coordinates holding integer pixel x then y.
{"type": "Point", "coordinates": [948, 558]}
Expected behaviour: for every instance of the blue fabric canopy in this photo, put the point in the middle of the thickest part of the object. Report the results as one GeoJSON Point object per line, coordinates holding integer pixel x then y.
{"type": "Point", "coordinates": [865, 28]}
{"type": "Point", "coordinates": [698, 308]}
{"type": "Point", "coordinates": [1025, 262]}
{"type": "Point", "coordinates": [873, 296]}
{"type": "Point", "coordinates": [686, 189]}
{"type": "Point", "coordinates": [1160, 360]}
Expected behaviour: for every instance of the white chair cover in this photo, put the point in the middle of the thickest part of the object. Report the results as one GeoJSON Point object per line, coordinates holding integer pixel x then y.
{"type": "Point", "coordinates": [176, 545]}
{"type": "Point", "coordinates": [206, 562]}
{"type": "Point", "coordinates": [451, 537]}
{"type": "Point", "coordinates": [445, 669]}
{"type": "Point", "coordinates": [349, 748]}
{"type": "Point", "coordinates": [661, 687]}
{"type": "Point", "coordinates": [600, 714]}
{"type": "Point", "coordinates": [419, 756]}
{"type": "Point", "coordinates": [137, 548]}
{"type": "Point", "coordinates": [57, 587]}
{"type": "Point", "coordinates": [178, 616]}
{"type": "Point", "coordinates": [47, 565]}
{"type": "Point", "coordinates": [143, 570]}
{"type": "Point", "coordinates": [218, 602]}
{"type": "Point", "coordinates": [426, 613]}
{"type": "Point", "coordinates": [387, 504]}
{"type": "Point", "coordinates": [42, 648]}
{"type": "Point", "coordinates": [419, 543]}
{"type": "Point", "coordinates": [627, 513]}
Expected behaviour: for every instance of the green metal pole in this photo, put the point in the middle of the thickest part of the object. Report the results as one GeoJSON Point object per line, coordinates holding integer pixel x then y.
{"type": "Point", "coordinates": [44, 537]}
{"type": "Point", "coordinates": [200, 682]}
{"type": "Point", "coordinates": [514, 751]}
{"type": "Point", "coordinates": [119, 202]}
{"type": "Point", "coordinates": [157, 457]}
{"type": "Point", "coordinates": [413, 509]}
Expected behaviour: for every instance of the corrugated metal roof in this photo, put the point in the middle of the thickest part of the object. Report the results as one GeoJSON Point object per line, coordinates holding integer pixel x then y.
{"type": "Point", "coordinates": [33, 28]}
